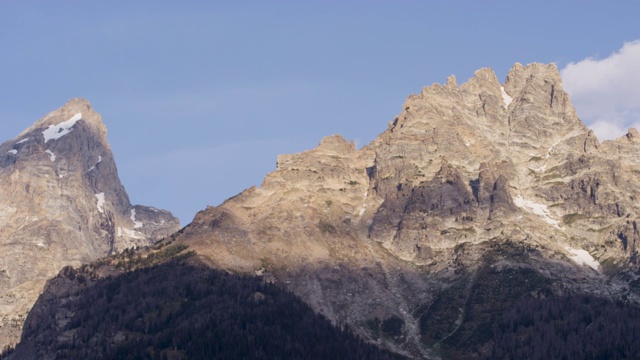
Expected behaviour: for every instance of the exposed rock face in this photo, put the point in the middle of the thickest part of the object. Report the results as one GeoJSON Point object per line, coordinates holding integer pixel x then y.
{"type": "Point", "coordinates": [475, 197]}
{"type": "Point", "coordinates": [468, 187]}
{"type": "Point", "coordinates": [62, 203]}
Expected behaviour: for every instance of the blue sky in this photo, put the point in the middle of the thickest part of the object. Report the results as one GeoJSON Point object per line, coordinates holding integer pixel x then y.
{"type": "Point", "coordinates": [201, 96]}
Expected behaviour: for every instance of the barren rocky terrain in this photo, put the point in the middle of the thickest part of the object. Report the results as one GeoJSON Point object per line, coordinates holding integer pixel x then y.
{"type": "Point", "coordinates": [470, 186]}
{"type": "Point", "coordinates": [477, 200]}
{"type": "Point", "coordinates": [62, 203]}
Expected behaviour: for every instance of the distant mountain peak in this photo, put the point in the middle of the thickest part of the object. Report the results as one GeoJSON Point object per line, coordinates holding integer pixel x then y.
{"type": "Point", "coordinates": [62, 203]}
{"type": "Point", "coordinates": [62, 120]}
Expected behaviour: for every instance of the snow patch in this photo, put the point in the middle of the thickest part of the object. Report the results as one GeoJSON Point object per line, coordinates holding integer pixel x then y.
{"type": "Point", "coordinates": [505, 97]}
{"type": "Point", "coordinates": [22, 141]}
{"type": "Point", "coordinates": [136, 224]}
{"type": "Point", "coordinates": [100, 205]}
{"type": "Point", "coordinates": [12, 151]}
{"type": "Point", "coordinates": [582, 257]}
{"type": "Point", "coordinates": [130, 233]}
{"type": "Point", "coordinates": [538, 209]}
{"type": "Point", "coordinates": [52, 156]}
{"type": "Point", "coordinates": [54, 132]}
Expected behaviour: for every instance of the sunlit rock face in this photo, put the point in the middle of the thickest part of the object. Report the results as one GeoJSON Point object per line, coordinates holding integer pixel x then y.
{"type": "Point", "coordinates": [476, 200]}
{"type": "Point", "coordinates": [469, 188]}
{"type": "Point", "coordinates": [62, 203]}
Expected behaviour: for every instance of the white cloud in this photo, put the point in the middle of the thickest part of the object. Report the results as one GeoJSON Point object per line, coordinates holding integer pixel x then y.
{"type": "Point", "coordinates": [605, 91]}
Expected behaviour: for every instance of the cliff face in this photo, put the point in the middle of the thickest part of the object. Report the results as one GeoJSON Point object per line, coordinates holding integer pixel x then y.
{"type": "Point", "coordinates": [62, 203]}
{"type": "Point", "coordinates": [476, 202]}
{"type": "Point", "coordinates": [470, 185]}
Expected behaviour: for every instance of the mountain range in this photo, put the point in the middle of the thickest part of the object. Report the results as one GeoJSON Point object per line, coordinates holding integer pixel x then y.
{"type": "Point", "coordinates": [482, 210]}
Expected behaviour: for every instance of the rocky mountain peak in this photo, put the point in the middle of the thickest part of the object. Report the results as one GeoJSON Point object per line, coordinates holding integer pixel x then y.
{"type": "Point", "coordinates": [483, 80]}
{"type": "Point", "coordinates": [451, 82]}
{"type": "Point", "coordinates": [337, 144]}
{"type": "Point", "coordinates": [632, 135]}
{"type": "Point", "coordinates": [72, 111]}
{"type": "Point", "coordinates": [470, 180]}
{"type": "Point", "coordinates": [519, 75]}
{"type": "Point", "coordinates": [62, 204]}
{"type": "Point", "coordinates": [626, 148]}
{"type": "Point", "coordinates": [538, 87]}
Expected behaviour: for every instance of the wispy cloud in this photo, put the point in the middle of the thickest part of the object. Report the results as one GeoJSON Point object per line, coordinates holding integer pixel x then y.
{"type": "Point", "coordinates": [606, 92]}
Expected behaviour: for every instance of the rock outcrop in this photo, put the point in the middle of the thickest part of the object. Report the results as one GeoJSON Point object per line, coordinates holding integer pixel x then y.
{"type": "Point", "coordinates": [62, 203]}
{"type": "Point", "coordinates": [467, 184]}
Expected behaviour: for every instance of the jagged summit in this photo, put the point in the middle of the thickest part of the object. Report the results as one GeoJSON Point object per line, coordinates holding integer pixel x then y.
{"type": "Point", "coordinates": [62, 203]}
{"type": "Point", "coordinates": [467, 179]}
{"type": "Point", "coordinates": [63, 118]}
{"type": "Point", "coordinates": [475, 198]}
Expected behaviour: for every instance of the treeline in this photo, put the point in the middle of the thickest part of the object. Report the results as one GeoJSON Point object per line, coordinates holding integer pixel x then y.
{"type": "Point", "coordinates": [177, 311]}
{"type": "Point", "coordinates": [570, 327]}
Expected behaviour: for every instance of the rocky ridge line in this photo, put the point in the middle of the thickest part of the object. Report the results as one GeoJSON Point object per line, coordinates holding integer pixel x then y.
{"type": "Point", "coordinates": [464, 176]}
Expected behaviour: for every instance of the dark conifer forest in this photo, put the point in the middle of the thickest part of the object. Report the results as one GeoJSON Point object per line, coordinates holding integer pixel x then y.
{"type": "Point", "coordinates": [177, 311]}
{"type": "Point", "coordinates": [181, 310]}
{"type": "Point", "coordinates": [571, 327]}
